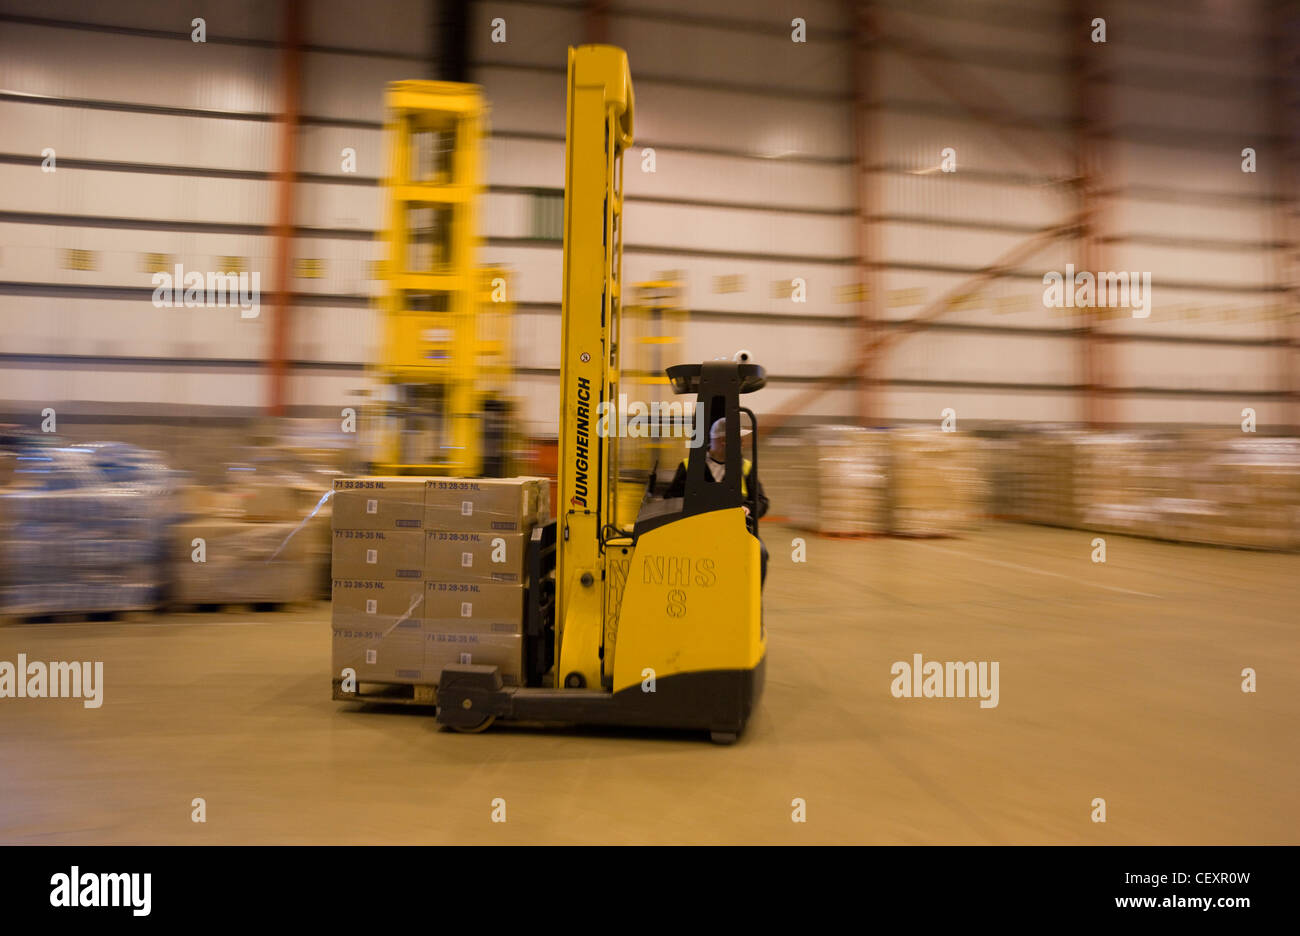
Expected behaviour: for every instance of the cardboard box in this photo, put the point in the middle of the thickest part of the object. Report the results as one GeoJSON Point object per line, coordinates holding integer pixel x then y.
{"type": "Point", "coordinates": [474, 557]}
{"type": "Point", "coordinates": [936, 482]}
{"type": "Point", "coordinates": [831, 479]}
{"type": "Point", "coordinates": [238, 566]}
{"type": "Point", "coordinates": [378, 555]}
{"type": "Point", "coordinates": [379, 503]}
{"type": "Point", "coordinates": [365, 602]}
{"type": "Point", "coordinates": [380, 651]}
{"type": "Point", "coordinates": [467, 607]}
{"type": "Point", "coordinates": [199, 501]}
{"type": "Point", "coordinates": [442, 648]}
{"type": "Point", "coordinates": [318, 541]}
{"type": "Point", "coordinates": [269, 500]}
{"type": "Point", "coordinates": [543, 497]}
{"type": "Point", "coordinates": [227, 540]}
{"type": "Point", "coordinates": [226, 582]}
{"type": "Point", "coordinates": [491, 505]}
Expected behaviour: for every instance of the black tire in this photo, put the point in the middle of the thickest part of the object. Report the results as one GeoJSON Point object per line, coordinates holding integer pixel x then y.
{"type": "Point", "coordinates": [484, 725]}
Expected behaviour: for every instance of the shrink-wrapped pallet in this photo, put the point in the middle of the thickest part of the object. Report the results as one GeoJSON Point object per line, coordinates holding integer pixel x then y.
{"type": "Point", "coordinates": [1197, 486]}
{"type": "Point", "coordinates": [833, 481]}
{"type": "Point", "coordinates": [937, 484]}
{"type": "Point", "coordinates": [225, 561]}
{"type": "Point", "coordinates": [84, 529]}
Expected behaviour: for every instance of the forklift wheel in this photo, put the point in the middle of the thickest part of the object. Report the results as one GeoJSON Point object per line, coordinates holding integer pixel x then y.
{"type": "Point", "coordinates": [723, 737]}
{"type": "Point", "coordinates": [484, 725]}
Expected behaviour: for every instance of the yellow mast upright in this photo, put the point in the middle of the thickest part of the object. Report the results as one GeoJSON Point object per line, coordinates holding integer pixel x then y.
{"type": "Point", "coordinates": [599, 129]}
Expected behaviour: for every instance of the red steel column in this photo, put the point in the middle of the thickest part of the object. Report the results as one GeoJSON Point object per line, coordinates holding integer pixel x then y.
{"type": "Point", "coordinates": [866, 178]}
{"type": "Point", "coordinates": [1284, 87]}
{"type": "Point", "coordinates": [1095, 376]}
{"type": "Point", "coordinates": [596, 21]}
{"type": "Point", "coordinates": [285, 180]}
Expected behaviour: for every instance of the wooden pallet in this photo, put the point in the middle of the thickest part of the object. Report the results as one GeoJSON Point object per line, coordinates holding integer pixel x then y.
{"type": "Point", "coordinates": [234, 607]}
{"type": "Point", "coordinates": [120, 616]}
{"type": "Point", "coordinates": [388, 694]}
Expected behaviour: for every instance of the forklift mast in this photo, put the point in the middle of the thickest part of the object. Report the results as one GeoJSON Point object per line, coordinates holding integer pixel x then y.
{"type": "Point", "coordinates": [599, 130]}
{"type": "Point", "coordinates": [444, 368]}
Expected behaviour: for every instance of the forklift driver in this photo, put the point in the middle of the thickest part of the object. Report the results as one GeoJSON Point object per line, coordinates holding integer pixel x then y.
{"type": "Point", "coordinates": [717, 465]}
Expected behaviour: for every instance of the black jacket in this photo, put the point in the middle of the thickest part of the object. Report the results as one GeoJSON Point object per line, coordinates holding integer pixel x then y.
{"type": "Point", "coordinates": [678, 486]}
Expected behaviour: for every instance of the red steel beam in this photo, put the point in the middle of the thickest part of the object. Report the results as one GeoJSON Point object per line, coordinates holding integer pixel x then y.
{"type": "Point", "coordinates": [1005, 264]}
{"type": "Point", "coordinates": [1284, 100]}
{"type": "Point", "coordinates": [1026, 135]}
{"type": "Point", "coordinates": [285, 181]}
{"type": "Point", "coordinates": [1086, 67]}
{"type": "Point", "coordinates": [866, 191]}
{"type": "Point", "coordinates": [596, 17]}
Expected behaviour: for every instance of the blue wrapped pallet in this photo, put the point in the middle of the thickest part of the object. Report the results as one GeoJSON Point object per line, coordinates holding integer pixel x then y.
{"type": "Point", "coordinates": [84, 529]}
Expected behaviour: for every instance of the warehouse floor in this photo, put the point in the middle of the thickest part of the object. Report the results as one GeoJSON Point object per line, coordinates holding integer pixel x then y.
{"type": "Point", "coordinates": [1120, 681]}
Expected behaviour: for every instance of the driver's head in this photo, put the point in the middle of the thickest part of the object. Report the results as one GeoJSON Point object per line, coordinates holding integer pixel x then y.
{"type": "Point", "coordinates": [718, 439]}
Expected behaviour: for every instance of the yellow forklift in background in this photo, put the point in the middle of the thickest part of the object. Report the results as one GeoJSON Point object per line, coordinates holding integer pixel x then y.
{"type": "Point", "coordinates": [660, 625]}
{"type": "Point", "coordinates": [443, 376]}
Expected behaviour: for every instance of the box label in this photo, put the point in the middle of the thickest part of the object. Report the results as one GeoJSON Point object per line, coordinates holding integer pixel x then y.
{"type": "Point", "coordinates": [377, 555]}
{"type": "Point", "coordinates": [378, 504]}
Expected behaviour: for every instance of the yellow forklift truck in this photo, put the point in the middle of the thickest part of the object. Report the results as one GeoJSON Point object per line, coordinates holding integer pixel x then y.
{"type": "Point", "coordinates": [662, 625]}
{"type": "Point", "coordinates": [442, 380]}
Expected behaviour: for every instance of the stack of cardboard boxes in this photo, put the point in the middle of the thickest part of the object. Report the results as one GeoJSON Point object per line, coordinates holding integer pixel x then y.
{"type": "Point", "coordinates": [1041, 475]}
{"type": "Point", "coordinates": [1121, 483]}
{"type": "Point", "coordinates": [1255, 484]}
{"type": "Point", "coordinates": [937, 482]}
{"type": "Point", "coordinates": [840, 481]}
{"type": "Point", "coordinates": [1219, 487]}
{"type": "Point", "coordinates": [848, 480]}
{"type": "Point", "coordinates": [255, 544]}
{"type": "Point", "coordinates": [431, 571]}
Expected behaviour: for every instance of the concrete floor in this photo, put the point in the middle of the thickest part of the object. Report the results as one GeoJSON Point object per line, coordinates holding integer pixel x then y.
{"type": "Point", "coordinates": [1119, 681]}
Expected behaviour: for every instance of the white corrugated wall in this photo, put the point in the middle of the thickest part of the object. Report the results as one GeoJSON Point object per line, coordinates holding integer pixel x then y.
{"type": "Point", "coordinates": [167, 147]}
